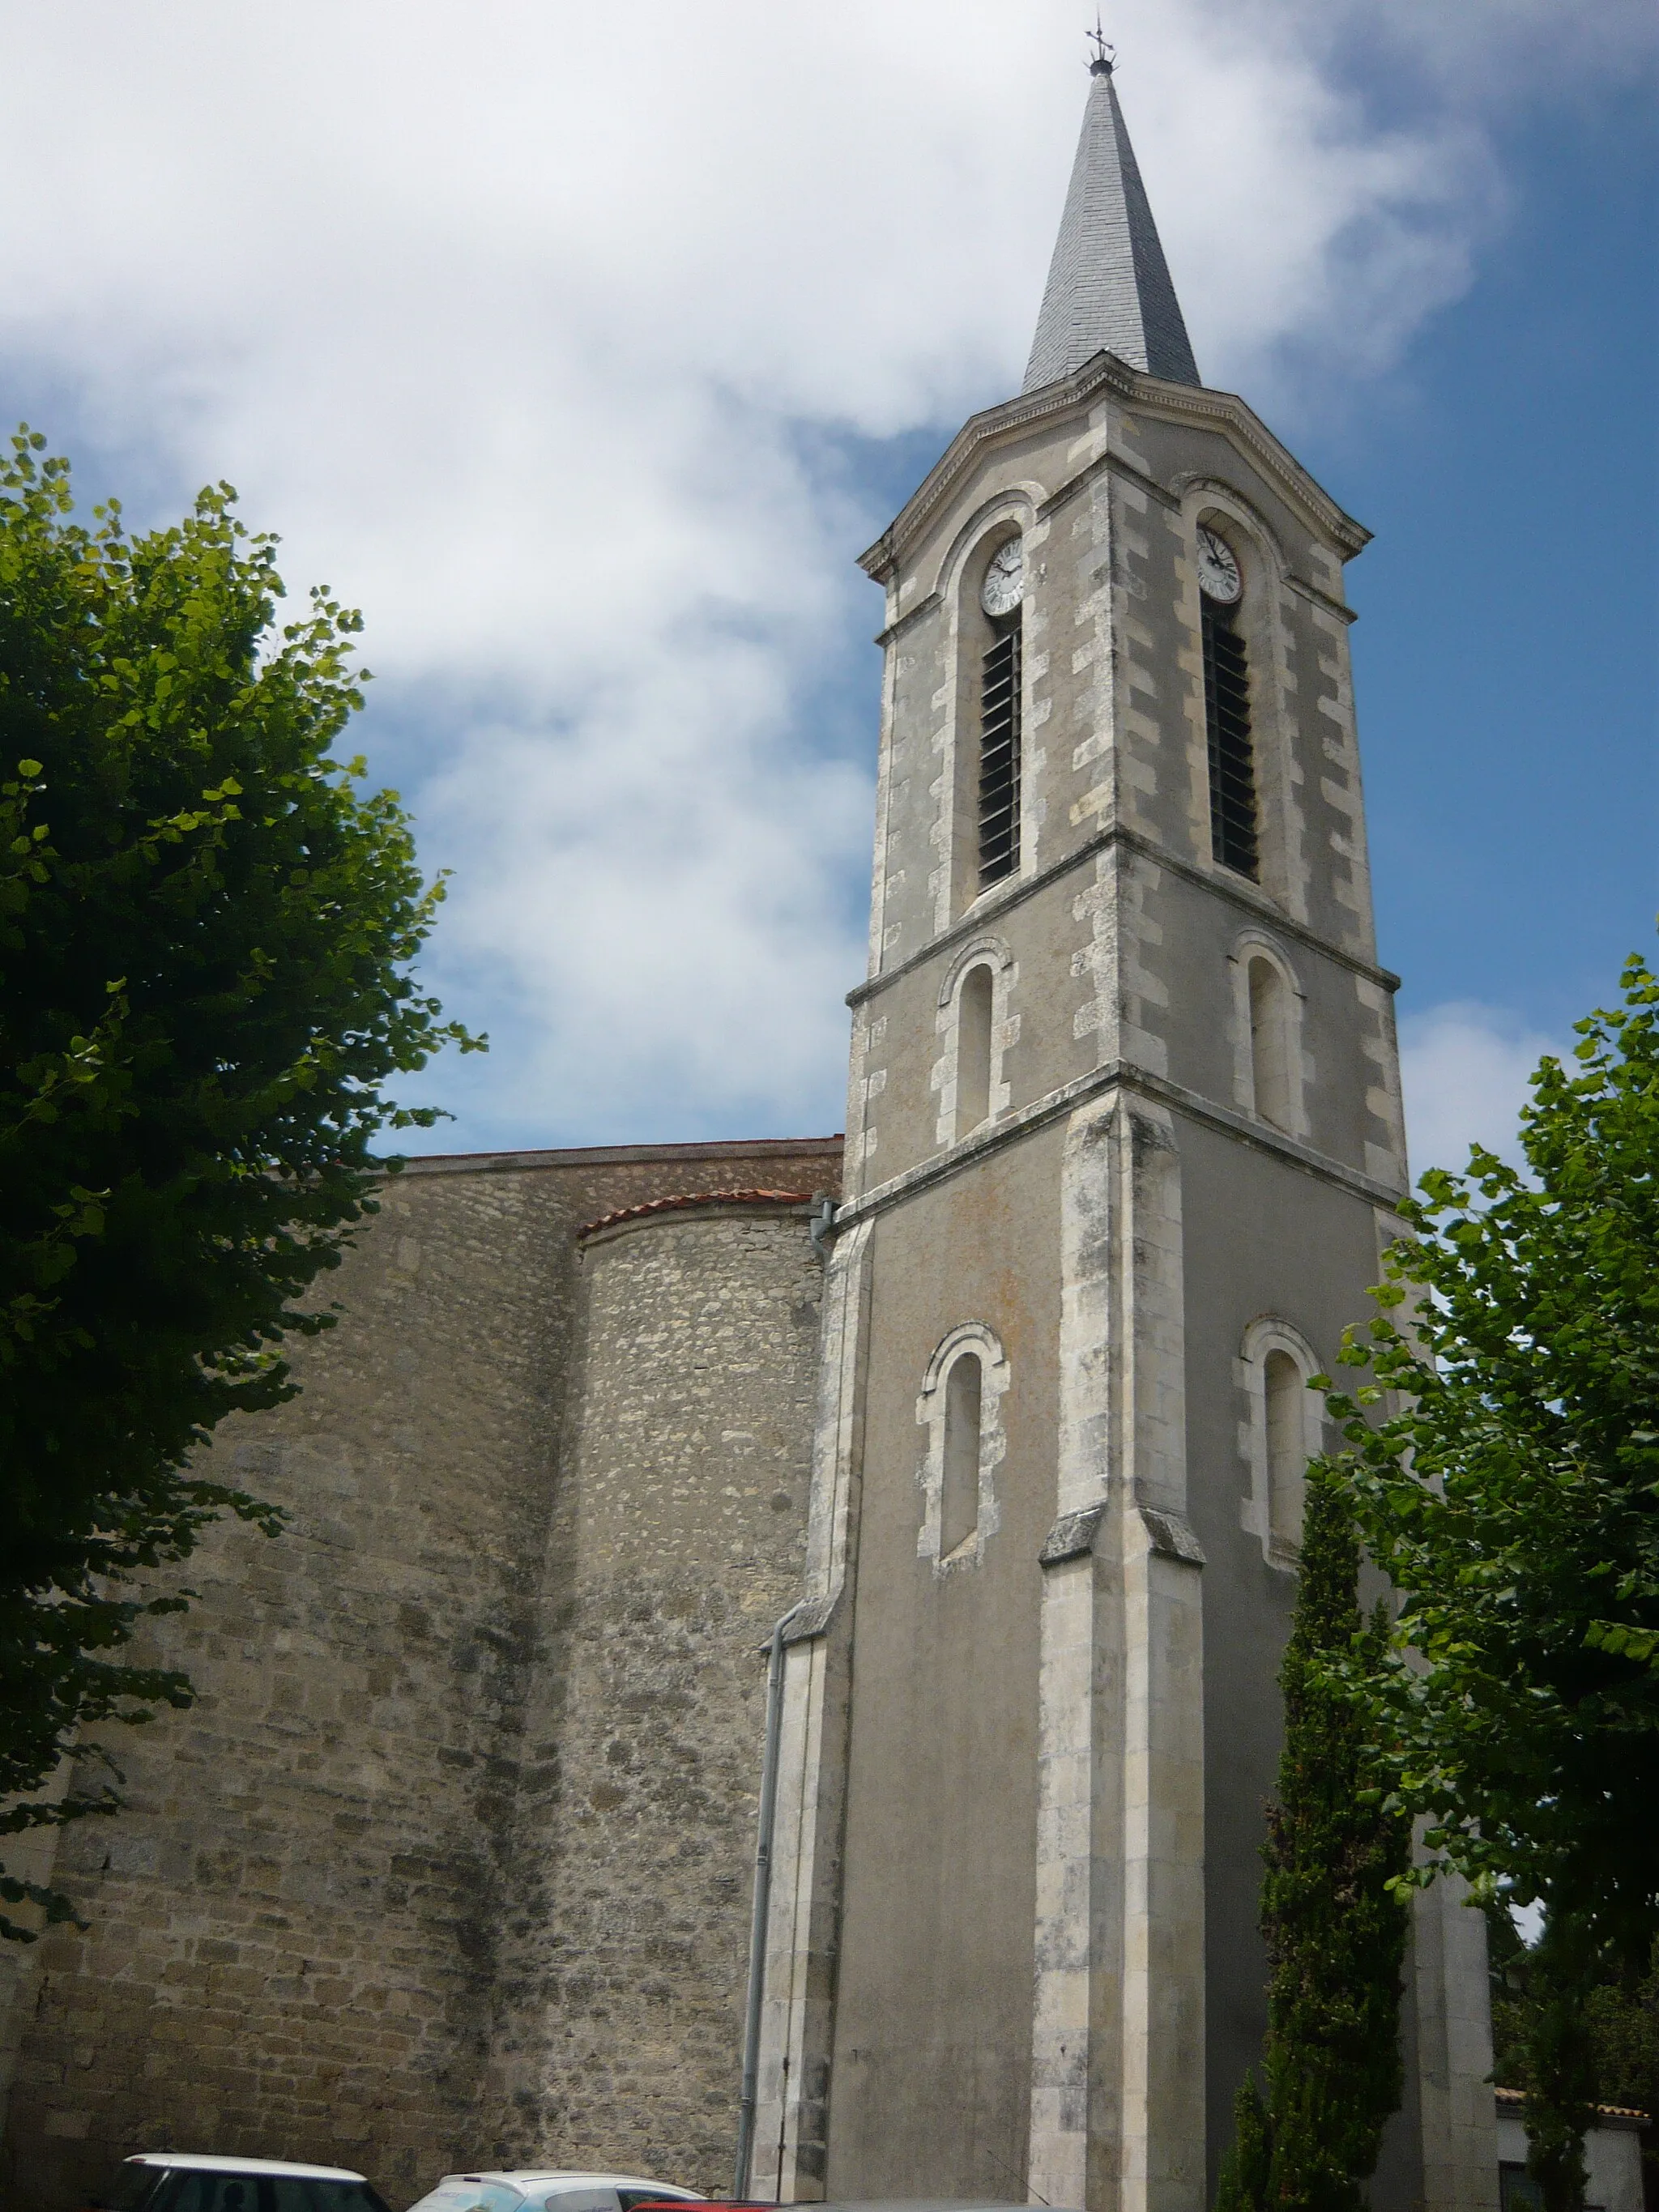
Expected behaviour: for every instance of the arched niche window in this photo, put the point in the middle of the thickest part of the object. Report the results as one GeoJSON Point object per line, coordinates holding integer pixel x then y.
{"type": "Point", "coordinates": [975, 1002]}
{"type": "Point", "coordinates": [1233, 814]}
{"type": "Point", "coordinates": [977, 1032]}
{"type": "Point", "coordinates": [958, 1510]}
{"type": "Point", "coordinates": [1269, 1069]}
{"type": "Point", "coordinates": [1001, 597]}
{"type": "Point", "coordinates": [1283, 1432]}
{"type": "Point", "coordinates": [961, 1409]}
{"type": "Point", "coordinates": [1284, 1389]}
{"type": "Point", "coordinates": [1271, 1075]}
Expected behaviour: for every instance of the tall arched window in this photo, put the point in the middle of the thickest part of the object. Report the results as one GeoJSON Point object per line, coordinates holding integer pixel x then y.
{"type": "Point", "coordinates": [960, 1408]}
{"type": "Point", "coordinates": [1271, 1044]}
{"type": "Point", "coordinates": [1285, 1388]}
{"type": "Point", "coordinates": [1000, 689]}
{"type": "Point", "coordinates": [1285, 1427]}
{"type": "Point", "coordinates": [974, 1004]}
{"type": "Point", "coordinates": [958, 1505]}
{"type": "Point", "coordinates": [1227, 708]}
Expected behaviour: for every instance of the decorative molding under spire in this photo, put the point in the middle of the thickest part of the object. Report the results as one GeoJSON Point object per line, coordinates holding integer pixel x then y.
{"type": "Point", "coordinates": [1108, 285]}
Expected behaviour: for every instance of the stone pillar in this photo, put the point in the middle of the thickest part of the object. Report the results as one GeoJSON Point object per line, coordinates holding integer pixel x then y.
{"type": "Point", "coordinates": [1074, 2106]}
{"type": "Point", "coordinates": [1162, 2156]}
{"type": "Point", "coordinates": [1449, 1988]}
{"type": "Point", "coordinates": [1117, 2114]}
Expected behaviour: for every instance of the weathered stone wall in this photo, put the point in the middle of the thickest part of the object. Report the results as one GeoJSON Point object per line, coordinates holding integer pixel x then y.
{"type": "Point", "coordinates": [294, 1925]}
{"type": "Point", "coordinates": [677, 1540]}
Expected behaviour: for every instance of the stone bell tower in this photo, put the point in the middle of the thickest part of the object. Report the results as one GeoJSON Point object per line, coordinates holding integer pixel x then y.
{"type": "Point", "coordinates": [1124, 1136]}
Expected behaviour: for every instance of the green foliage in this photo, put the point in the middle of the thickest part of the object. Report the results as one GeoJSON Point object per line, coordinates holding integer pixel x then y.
{"type": "Point", "coordinates": [1619, 2011]}
{"type": "Point", "coordinates": [1247, 2165]}
{"type": "Point", "coordinates": [1335, 1929]}
{"type": "Point", "coordinates": [1511, 1490]}
{"type": "Point", "coordinates": [1513, 1494]}
{"type": "Point", "coordinates": [1623, 2012]}
{"type": "Point", "coordinates": [205, 923]}
{"type": "Point", "coordinates": [1559, 2075]}
{"type": "Point", "coordinates": [1331, 1907]}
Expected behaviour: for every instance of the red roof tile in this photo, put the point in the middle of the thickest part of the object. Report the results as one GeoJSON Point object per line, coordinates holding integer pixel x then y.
{"type": "Point", "coordinates": [696, 1198]}
{"type": "Point", "coordinates": [1607, 2111]}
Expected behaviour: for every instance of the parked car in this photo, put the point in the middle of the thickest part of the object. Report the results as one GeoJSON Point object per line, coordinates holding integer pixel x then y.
{"type": "Point", "coordinates": [193, 2181]}
{"type": "Point", "coordinates": [537, 2189]}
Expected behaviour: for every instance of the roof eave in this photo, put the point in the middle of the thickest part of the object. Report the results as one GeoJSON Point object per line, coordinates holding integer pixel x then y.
{"type": "Point", "coordinates": [1104, 372]}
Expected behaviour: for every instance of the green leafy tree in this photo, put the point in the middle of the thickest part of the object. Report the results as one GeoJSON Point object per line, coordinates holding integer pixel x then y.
{"type": "Point", "coordinates": [1621, 2021]}
{"type": "Point", "coordinates": [1330, 1908]}
{"type": "Point", "coordinates": [1511, 1490]}
{"type": "Point", "coordinates": [205, 927]}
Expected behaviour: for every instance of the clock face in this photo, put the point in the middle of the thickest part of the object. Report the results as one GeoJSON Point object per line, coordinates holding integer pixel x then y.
{"type": "Point", "coordinates": [1004, 579]}
{"type": "Point", "coordinates": [1217, 568]}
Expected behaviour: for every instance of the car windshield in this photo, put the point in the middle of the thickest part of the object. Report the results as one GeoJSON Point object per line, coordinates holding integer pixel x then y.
{"type": "Point", "coordinates": [196, 2188]}
{"type": "Point", "coordinates": [456, 2193]}
{"type": "Point", "coordinates": [131, 2186]}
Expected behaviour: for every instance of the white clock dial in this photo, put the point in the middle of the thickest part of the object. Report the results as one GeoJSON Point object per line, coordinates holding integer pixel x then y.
{"type": "Point", "coordinates": [1217, 568]}
{"type": "Point", "coordinates": [1004, 579]}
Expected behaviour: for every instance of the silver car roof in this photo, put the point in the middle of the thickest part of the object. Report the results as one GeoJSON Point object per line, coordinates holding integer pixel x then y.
{"type": "Point", "coordinates": [207, 2162]}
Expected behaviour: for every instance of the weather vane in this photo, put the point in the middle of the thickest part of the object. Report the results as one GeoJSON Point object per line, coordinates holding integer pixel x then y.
{"type": "Point", "coordinates": [1105, 53]}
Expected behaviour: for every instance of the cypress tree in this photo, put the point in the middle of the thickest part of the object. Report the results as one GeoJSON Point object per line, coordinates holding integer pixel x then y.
{"type": "Point", "coordinates": [1335, 1931]}
{"type": "Point", "coordinates": [1246, 2169]}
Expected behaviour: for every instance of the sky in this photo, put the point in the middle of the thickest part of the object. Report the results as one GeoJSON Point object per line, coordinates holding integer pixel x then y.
{"type": "Point", "coordinates": [584, 351]}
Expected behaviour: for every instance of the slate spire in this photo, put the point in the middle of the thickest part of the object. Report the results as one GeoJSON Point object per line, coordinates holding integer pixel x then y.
{"type": "Point", "coordinates": [1108, 285]}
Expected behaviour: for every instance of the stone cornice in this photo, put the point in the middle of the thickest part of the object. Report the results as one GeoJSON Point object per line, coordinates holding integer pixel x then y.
{"type": "Point", "coordinates": [897, 629]}
{"type": "Point", "coordinates": [1140, 1082]}
{"type": "Point", "coordinates": [1177, 403]}
{"type": "Point", "coordinates": [1015, 893]}
{"type": "Point", "coordinates": [1340, 608]}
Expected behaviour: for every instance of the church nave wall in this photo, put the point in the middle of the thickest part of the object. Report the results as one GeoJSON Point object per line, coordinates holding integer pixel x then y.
{"type": "Point", "coordinates": [295, 1924]}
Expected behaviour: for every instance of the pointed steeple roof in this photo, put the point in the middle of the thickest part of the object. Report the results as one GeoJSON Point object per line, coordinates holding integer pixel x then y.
{"type": "Point", "coordinates": [1108, 285]}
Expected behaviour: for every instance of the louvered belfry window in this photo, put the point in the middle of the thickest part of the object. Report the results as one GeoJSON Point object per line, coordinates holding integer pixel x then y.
{"type": "Point", "coordinates": [998, 754]}
{"type": "Point", "coordinates": [1232, 759]}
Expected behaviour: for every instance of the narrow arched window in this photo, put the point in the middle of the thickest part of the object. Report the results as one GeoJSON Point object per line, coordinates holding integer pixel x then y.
{"type": "Point", "coordinates": [1227, 709]}
{"type": "Point", "coordinates": [958, 1513]}
{"type": "Point", "coordinates": [974, 1003]}
{"type": "Point", "coordinates": [1286, 1392]}
{"type": "Point", "coordinates": [1270, 1043]}
{"type": "Point", "coordinates": [999, 688]}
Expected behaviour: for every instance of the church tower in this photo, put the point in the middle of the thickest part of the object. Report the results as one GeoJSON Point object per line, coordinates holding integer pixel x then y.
{"type": "Point", "coordinates": [1124, 1138]}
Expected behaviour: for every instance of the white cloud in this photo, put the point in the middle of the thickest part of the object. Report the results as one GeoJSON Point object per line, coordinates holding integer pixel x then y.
{"type": "Point", "coordinates": [1465, 1068]}
{"type": "Point", "coordinates": [534, 331]}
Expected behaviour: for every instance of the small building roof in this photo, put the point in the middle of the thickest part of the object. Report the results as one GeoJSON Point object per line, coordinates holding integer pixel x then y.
{"type": "Point", "coordinates": [1515, 2100]}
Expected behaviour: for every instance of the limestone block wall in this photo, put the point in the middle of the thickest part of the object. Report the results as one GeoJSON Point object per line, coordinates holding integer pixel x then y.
{"type": "Point", "coordinates": [294, 1927]}
{"type": "Point", "coordinates": [678, 1540]}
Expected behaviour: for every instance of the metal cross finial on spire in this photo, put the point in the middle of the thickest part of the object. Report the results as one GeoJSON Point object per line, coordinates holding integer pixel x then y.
{"type": "Point", "coordinates": [1108, 288]}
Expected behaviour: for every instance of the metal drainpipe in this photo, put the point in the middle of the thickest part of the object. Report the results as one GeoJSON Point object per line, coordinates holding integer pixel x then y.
{"type": "Point", "coordinates": [769, 1806]}
{"type": "Point", "coordinates": [819, 1228]}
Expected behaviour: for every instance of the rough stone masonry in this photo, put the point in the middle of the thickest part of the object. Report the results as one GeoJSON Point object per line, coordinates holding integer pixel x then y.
{"type": "Point", "coordinates": [449, 1864]}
